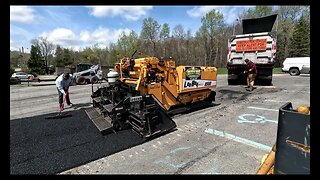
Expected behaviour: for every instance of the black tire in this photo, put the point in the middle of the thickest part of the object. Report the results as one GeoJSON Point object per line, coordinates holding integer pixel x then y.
{"type": "Point", "coordinates": [294, 72]}
{"type": "Point", "coordinates": [232, 81]}
{"type": "Point", "coordinates": [94, 80]}
{"type": "Point", "coordinates": [267, 82]}
{"type": "Point", "coordinates": [81, 80]}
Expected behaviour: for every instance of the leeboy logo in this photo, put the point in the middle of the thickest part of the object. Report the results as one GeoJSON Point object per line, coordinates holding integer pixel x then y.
{"type": "Point", "coordinates": [193, 73]}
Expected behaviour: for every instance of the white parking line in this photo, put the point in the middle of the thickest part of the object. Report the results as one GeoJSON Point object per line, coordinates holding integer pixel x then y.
{"type": "Point", "coordinates": [238, 139]}
{"type": "Point", "coordinates": [270, 100]}
{"type": "Point", "coordinates": [302, 85]}
{"type": "Point", "coordinates": [290, 91]}
{"type": "Point", "coordinates": [251, 107]}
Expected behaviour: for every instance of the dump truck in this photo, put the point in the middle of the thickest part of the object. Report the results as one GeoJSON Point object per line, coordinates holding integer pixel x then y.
{"type": "Point", "coordinates": [258, 44]}
{"type": "Point", "coordinates": [291, 152]}
{"type": "Point", "coordinates": [144, 93]}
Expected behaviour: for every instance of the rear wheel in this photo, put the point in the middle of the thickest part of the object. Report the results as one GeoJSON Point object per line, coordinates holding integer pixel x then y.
{"type": "Point", "coordinates": [294, 72]}
{"type": "Point", "coordinates": [232, 81]}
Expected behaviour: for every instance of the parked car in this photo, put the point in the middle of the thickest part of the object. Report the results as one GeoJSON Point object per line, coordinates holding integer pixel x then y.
{"type": "Point", "coordinates": [22, 75]}
{"type": "Point", "coordinates": [296, 65]}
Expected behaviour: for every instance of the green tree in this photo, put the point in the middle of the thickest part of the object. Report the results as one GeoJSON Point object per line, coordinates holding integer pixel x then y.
{"type": "Point", "coordinates": [36, 62]}
{"type": "Point", "coordinates": [67, 57]}
{"type": "Point", "coordinates": [164, 36]}
{"type": "Point", "coordinates": [15, 59]}
{"type": "Point", "coordinates": [300, 41]}
{"type": "Point", "coordinates": [284, 27]}
{"type": "Point", "coordinates": [150, 32]}
{"type": "Point", "coordinates": [212, 25]}
{"type": "Point", "coordinates": [127, 44]}
{"type": "Point", "coordinates": [59, 57]}
{"type": "Point", "coordinates": [258, 11]}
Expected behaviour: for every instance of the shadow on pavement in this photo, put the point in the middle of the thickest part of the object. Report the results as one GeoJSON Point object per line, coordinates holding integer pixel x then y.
{"type": "Point", "coordinates": [50, 146]}
{"type": "Point", "coordinates": [81, 105]}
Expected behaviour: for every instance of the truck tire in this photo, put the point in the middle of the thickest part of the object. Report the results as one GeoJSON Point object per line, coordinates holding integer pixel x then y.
{"type": "Point", "coordinates": [81, 80]}
{"type": "Point", "coordinates": [232, 81]}
{"type": "Point", "coordinates": [267, 82]}
{"type": "Point", "coordinates": [294, 72]}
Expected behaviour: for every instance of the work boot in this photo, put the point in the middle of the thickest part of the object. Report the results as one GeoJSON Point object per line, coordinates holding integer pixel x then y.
{"type": "Point", "coordinates": [249, 89]}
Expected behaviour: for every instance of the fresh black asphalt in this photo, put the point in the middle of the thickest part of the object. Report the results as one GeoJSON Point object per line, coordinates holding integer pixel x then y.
{"type": "Point", "coordinates": [50, 146]}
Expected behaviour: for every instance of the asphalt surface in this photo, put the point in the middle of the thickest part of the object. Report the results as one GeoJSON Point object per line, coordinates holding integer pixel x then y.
{"type": "Point", "coordinates": [50, 146]}
{"type": "Point", "coordinates": [229, 138]}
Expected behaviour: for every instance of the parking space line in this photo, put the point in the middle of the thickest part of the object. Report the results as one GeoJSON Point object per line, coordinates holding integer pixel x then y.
{"type": "Point", "coordinates": [270, 100]}
{"type": "Point", "coordinates": [251, 107]}
{"type": "Point", "coordinates": [238, 139]}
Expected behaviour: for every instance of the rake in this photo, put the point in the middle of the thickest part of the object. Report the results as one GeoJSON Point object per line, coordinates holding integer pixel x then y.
{"type": "Point", "coordinates": [60, 115]}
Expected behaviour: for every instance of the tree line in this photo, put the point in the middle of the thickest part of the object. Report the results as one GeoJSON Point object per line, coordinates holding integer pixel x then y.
{"type": "Point", "coordinates": [206, 47]}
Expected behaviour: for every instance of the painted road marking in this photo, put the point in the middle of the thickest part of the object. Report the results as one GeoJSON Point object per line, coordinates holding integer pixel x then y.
{"type": "Point", "coordinates": [238, 139]}
{"type": "Point", "coordinates": [251, 107]}
{"type": "Point", "coordinates": [289, 91]}
{"type": "Point", "coordinates": [303, 85]}
{"type": "Point", "coordinates": [269, 100]}
{"type": "Point", "coordinates": [258, 119]}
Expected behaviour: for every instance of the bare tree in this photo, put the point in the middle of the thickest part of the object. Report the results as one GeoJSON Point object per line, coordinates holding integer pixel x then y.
{"type": "Point", "coordinates": [46, 49]}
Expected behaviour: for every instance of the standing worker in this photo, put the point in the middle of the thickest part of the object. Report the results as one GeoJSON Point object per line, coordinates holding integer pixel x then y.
{"type": "Point", "coordinates": [63, 82]}
{"type": "Point", "coordinates": [252, 72]}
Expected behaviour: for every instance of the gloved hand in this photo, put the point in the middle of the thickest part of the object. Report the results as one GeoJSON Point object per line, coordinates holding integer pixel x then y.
{"type": "Point", "coordinates": [65, 91]}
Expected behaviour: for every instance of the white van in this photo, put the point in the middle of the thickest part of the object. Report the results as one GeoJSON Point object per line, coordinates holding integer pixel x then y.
{"type": "Point", "coordinates": [296, 65]}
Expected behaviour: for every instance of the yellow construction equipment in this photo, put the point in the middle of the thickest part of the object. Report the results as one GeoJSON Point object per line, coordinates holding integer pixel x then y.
{"type": "Point", "coordinates": [143, 93]}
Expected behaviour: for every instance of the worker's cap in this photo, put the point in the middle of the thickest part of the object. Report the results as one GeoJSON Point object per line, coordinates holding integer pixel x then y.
{"type": "Point", "coordinates": [66, 75]}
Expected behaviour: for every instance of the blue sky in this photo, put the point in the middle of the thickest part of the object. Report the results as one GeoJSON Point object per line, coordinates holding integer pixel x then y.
{"type": "Point", "coordinates": [82, 26]}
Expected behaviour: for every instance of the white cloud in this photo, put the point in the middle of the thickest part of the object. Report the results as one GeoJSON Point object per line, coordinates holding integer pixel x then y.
{"type": "Point", "coordinates": [69, 39]}
{"type": "Point", "coordinates": [14, 46]}
{"type": "Point", "coordinates": [19, 37]}
{"type": "Point", "coordinates": [229, 12]}
{"type": "Point", "coordinates": [200, 11]}
{"type": "Point", "coordinates": [22, 14]}
{"type": "Point", "coordinates": [130, 13]}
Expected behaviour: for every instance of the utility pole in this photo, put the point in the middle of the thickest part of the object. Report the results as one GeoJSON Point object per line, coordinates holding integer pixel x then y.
{"type": "Point", "coordinates": [22, 57]}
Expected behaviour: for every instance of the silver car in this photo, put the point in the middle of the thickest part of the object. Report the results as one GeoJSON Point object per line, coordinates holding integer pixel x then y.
{"type": "Point", "coordinates": [22, 75]}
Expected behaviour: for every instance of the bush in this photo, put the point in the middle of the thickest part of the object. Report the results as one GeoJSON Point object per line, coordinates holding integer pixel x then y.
{"type": "Point", "coordinates": [11, 71]}
{"type": "Point", "coordinates": [14, 81]}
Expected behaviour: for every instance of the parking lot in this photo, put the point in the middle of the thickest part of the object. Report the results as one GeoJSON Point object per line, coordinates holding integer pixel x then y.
{"type": "Point", "coordinates": [229, 138]}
